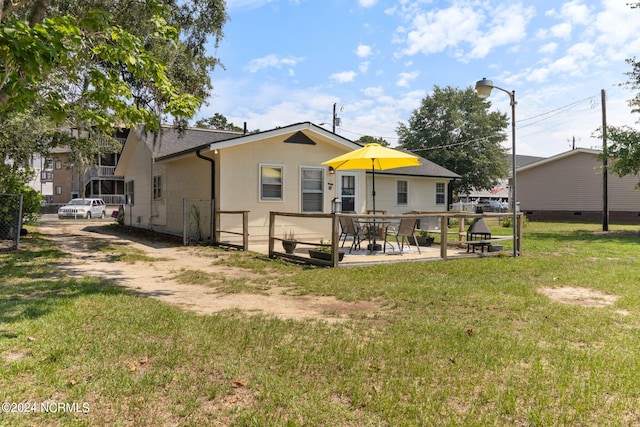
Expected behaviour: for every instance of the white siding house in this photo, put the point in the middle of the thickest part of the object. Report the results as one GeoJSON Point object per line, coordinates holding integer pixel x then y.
{"type": "Point", "coordinates": [279, 170]}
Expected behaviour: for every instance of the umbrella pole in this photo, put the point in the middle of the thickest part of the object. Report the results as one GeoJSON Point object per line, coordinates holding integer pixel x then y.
{"type": "Point", "coordinates": [374, 246]}
{"type": "Point", "coordinates": [373, 185]}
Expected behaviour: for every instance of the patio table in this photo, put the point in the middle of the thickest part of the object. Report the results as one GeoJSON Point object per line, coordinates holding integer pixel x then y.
{"type": "Point", "coordinates": [375, 228]}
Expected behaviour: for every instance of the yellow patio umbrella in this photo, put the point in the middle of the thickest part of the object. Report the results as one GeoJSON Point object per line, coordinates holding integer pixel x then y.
{"type": "Point", "coordinates": [375, 157]}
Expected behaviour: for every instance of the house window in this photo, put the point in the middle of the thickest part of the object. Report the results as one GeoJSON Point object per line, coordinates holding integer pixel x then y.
{"type": "Point", "coordinates": [48, 164]}
{"type": "Point", "coordinates": [58, 164]}
{"type": "Point", "coordinates": [58, 190]}
{"type": "Point", "coordinates": [46, 176]}
{"type": "Point", "coordinates": [157, 187]}
{"type": "Point", "coordinates": [312, 189]}
{"type": "Point", "coordinates": [402, 192]}
{"type": "Point", "coordinates": [441, 196]}
{"type": "Point", "coordinates": [271, 182]}
{"type": "Point", "coordinates": [128, 191]}
{"type": "Point", "coordinates": [348, 192]}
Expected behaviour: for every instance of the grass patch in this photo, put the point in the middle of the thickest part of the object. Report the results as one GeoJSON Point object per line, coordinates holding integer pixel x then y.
{"type": "Point", "coordinates": [123, 253]}
{"type": "Point", "coordinates": [465, 342]}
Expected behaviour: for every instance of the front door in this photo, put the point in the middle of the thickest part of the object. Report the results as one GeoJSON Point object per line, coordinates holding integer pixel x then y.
{"type": "Point", "coordinates": [347, 190]}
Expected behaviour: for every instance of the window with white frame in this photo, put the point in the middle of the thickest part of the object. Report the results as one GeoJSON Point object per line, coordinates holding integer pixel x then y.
{"type": "Point", "coordinates": [58, 164]}
{"type": "Point", "coordinates": [402, 192]}
{"type": "Point", "coordinates": [157, 187]}
{"type": "Point", "coordinates": [271, 183]}
{"type": "Point", "coordinates": [128, 191]}
{"type": "Point", "coordinates": [58, 190]}
{"type": "Point", "coordinates": [441, 195]}
{"type": "Point", "coordinates": [312, 189]}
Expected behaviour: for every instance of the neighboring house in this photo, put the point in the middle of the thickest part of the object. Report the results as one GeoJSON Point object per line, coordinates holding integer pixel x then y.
{"type": "Point", "coordinates": [502, 191]}
{"type": "Point", "coordinates": [569, 186]}
{"type": "Point", "coordinates": [59, 180]}
{"type": "Point", "coordinates": [279, 170]}
{"type": "Point", "coordinates": [42, 180]}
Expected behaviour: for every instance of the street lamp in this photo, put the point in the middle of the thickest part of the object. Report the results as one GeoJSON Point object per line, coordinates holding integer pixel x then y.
{"type": "Point", "coordinates": [483, 89]}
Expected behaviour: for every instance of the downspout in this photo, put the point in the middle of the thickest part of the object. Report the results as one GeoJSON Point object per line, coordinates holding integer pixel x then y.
{"type": "Point", "coordinates": [213, 194]}
{"type": "Point", "coordinates": [450, 193]}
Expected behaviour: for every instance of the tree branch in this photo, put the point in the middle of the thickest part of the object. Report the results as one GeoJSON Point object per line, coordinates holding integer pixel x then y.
{"type": "Point", "coordinates": [11, 8]}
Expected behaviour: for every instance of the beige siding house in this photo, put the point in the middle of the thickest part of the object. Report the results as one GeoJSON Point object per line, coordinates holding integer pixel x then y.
{"type": "Point", "coordinates": [277, 170]}
{"type": "Point", "coordinates": [569, 186]}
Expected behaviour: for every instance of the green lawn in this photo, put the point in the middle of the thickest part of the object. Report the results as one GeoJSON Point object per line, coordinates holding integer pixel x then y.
{"type": "Point", "coordinates": [466, 342]}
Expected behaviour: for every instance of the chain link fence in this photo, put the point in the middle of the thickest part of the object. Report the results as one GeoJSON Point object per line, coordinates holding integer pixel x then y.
{"type": "Point", "coordinates": [10, 221]}
{"type": "Point", "coordinates": [198, 223]}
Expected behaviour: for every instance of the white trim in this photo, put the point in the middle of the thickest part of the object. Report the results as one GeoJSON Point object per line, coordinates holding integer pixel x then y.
{"type": "Point", "coordinates": [435, 193]}
{"type": "Point", "coordinates": [282, 181]}
{"type": "Point", "coordinates": [356, 195]}
{"type": "Point", "coordinates": [323, 171]}
{"type": "Point", "coordinates": [558, 157]}
{"type": "Point", "coordinates": [282, 131]}
{"type": "Point", "coordinates": [396, 192]}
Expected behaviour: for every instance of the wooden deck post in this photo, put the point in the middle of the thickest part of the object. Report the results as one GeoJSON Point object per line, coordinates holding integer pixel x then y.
{"type": "Point", "coordinates": [335, 252]}
{"type": "Point", "coordinates": [443, 237]}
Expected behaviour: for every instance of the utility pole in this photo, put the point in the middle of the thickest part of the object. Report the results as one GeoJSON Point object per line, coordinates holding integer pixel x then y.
{"type": "Point", "coordinates": [334, 118]}
{"type": "Point", "coordinates": [605, 155]}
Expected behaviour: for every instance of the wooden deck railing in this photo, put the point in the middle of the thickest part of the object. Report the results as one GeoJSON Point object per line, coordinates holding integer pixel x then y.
{"type": "Point", "coordinates": [244, 246]}
{"type": "Point", "coordinates": [334, 230]}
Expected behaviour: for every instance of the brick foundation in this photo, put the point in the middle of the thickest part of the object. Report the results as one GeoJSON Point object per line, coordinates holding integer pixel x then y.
{"type": "Point", "coordinates": [618, 217]}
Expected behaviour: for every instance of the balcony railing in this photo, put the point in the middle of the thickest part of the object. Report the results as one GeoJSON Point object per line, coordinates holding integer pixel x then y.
{"type": "Point", "coordinates": [100, 171]}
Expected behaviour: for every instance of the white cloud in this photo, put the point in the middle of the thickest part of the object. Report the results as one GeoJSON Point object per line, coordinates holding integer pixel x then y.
{"type": "Point", "coordinates": [507, 27]}
{"type": "Point", "coordinates": [548, 48]}
{"type": "Point", "coordinates": [272, 61]}
{"type": "Point", "coordinates": [463, 28]}
{"type": "Point", "coordinates": [363, 51]}
{"type": "Point", "coordinates": [367, 3]}
{"type": "Point", "coordinates": [562, 31]}
{"type": "Point", "coordinates": [434, 31]}
{"type": "Point", "coordinates": [364, 67]}
{"type": "Point", "coordinates": [373, 91]}
{"type": "Point", "coordinates": [405, 78]}
{"type": "Point", "coordinates": [617, 28]}
{"type": "Point", "coordinates": [576, 12]}
{"type": "Point", "coordinates": [573, 11]}
{"type": "Point", "coordinates": [344, 77]}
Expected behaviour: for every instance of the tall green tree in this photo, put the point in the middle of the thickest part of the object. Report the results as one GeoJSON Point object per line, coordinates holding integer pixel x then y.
{"type": "Point", "coordinates": [90, 66]}
{"type": "Point", "coordinates": [217, 121]}
{"type": "Point", "coordinates": [366, 139]}
{"type": "Point", "coordinates": [455, 129]}
{"type": "Point", "coordinates": [103, 63]}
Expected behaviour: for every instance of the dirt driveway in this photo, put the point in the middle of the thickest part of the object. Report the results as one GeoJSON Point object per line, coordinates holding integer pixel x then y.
{"type": "Point", "coordinates": [156, 278]}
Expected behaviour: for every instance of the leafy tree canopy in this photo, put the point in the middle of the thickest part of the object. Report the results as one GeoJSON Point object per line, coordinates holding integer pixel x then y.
{"type": "Point", "coordinates": [13, 180]}
{"type": "Point", "coordinates": [107, 63]}
{"type": "Point", "coordinates": [218, 121]}
{"type": "Point", "coordinates": [91, 66]}
{"type": "Point", "coordinates": [454, 129]}
{"type": "Point", "coordinates": [366, 139]}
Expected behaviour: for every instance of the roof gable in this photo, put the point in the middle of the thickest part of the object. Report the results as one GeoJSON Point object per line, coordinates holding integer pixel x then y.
{"type": "Point", "coordinates": [308, 129]}
{"type": "Point", "coordinates": [559, 157]}
{"type": "Point", "coordinates": [300, 138]}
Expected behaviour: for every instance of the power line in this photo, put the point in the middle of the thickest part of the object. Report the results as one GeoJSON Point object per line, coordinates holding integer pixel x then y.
{"type": "Point", "coordinates": [542, 116]}
{"type": "Point", "coordinates": [568, 106]}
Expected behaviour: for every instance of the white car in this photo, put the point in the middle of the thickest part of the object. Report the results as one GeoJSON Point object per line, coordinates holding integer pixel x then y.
{"type": "Point", "coordinates": [83, 208]}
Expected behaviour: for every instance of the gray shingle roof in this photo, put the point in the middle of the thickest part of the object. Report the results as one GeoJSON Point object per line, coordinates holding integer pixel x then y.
{"type": "Point", "coordinates": [428, 168]}
{"type": "Point", "coordinates": [171, 143]}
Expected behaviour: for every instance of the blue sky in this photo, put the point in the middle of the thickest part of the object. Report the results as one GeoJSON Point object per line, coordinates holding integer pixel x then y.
{"type": "Point", "coordinates": [288, 61]}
